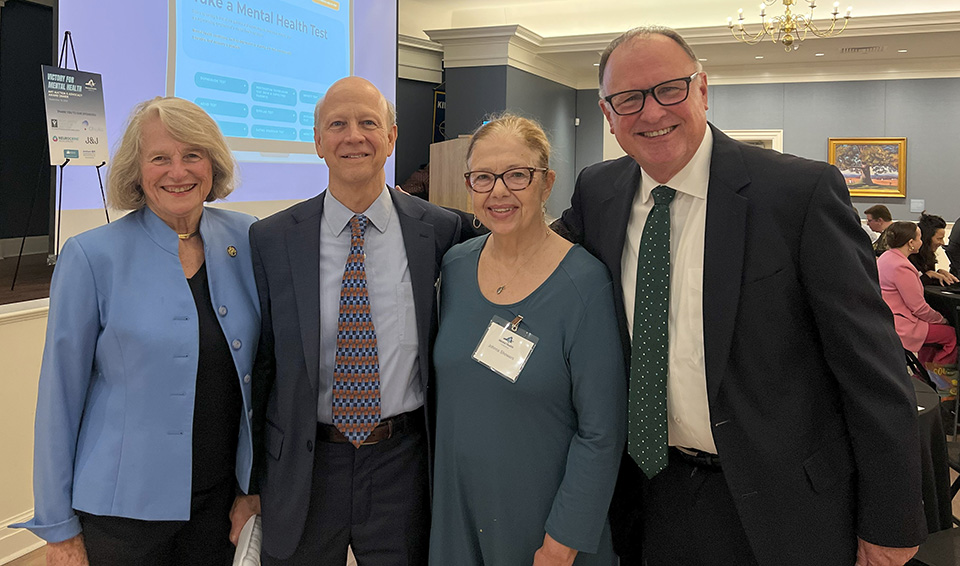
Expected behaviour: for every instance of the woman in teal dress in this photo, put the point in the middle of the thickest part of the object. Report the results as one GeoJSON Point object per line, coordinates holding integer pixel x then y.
{"type": "Point", "coordinates": [528, 440]}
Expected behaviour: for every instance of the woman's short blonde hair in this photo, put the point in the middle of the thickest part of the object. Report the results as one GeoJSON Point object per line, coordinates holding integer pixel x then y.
{"type": "Point", "coordinates": [524, 129]}
{"type": "Point", "coordinates": [188, 124]}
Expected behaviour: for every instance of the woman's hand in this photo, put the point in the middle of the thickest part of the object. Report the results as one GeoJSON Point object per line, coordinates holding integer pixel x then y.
{"type": "Point", "coordinates": [70, 552]}
{"type": "Point", "coordinates": [552, 553]}
{"type": "Point", "coordinates": [947, 276]}
{"type": "Point", "coordinates": [244, 507]}
{"type": "Point", "coordinates": [943, 277]}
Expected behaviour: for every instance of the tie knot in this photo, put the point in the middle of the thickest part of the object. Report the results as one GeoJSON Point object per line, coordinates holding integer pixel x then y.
{"type": "Point", "coordinates": [358, 224]}
{"type": "Point", "coordinates": [663, 194]}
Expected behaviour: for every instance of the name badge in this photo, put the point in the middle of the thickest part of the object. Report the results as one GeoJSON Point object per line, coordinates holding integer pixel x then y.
{"type": "Point", "coordinates": [505, 348]}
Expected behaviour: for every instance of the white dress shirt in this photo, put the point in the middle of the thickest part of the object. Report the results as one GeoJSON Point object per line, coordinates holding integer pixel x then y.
{"type": "Point", "coordinates": [688, 411]}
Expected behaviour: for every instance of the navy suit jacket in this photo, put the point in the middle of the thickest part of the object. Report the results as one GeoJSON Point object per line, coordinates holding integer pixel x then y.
{"type": "Point", "coordinates": [286, 264]}
{"type": "Point", "coordinates": [812, 412]}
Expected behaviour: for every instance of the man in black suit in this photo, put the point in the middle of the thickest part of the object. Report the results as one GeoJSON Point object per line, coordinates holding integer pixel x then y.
{"type": "Point", "coordinates": [790, 421]}
{"type": "Point", "coordinates": [329, 477]}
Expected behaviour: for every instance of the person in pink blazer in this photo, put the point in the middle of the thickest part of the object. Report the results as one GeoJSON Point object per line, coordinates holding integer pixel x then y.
{"type": "Point", "coordinates": [921, 328]}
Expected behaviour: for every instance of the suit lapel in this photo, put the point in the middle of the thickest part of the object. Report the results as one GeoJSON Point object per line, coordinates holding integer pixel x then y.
{"type": "Point", "coordinates": [303, 250]}
{"type": "Point", "coordinates": [615, 205]}
{"type": "Point", "coordinates": [726, 232]}
{"type": "Point", "coordinates": [420, 245]}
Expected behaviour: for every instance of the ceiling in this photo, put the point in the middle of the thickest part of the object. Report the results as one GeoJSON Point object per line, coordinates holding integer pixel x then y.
{"type": "Point", "coordinates": [573, 33]}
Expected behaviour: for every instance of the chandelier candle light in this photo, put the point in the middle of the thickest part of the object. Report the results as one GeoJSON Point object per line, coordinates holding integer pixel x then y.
{"type": "Point", "coordinates": [788, 29]}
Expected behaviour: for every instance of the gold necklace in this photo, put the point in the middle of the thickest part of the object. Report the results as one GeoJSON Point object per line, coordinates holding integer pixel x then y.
{"type": "Point", "coordinates": [516, 272]}
{"type": "Point", "coordinates": [188, 235]}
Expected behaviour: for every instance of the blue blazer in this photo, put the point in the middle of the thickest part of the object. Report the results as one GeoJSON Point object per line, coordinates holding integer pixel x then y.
{"type": "Point", "coordinates": [114, 418]}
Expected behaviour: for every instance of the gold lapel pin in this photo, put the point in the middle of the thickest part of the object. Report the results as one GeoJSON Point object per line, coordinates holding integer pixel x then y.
{"type": "Point", "coordinates": [231, 251]}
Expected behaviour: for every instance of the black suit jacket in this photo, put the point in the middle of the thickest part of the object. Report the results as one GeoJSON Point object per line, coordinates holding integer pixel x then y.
{"type": "Point", "coordinates": [813, 414]}
{"type": "Point", "coordinates": [286, 249]}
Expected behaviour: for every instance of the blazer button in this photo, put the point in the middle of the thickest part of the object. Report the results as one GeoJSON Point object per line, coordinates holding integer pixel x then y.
{"type": "Point", "coordinates": [222, 310]}
{"type": "Point", "coordinates": [246, 378]}
{"type": "Point", "coordinates": [309, 446]}
{"type": "Point", "coordinates": [237, 344]}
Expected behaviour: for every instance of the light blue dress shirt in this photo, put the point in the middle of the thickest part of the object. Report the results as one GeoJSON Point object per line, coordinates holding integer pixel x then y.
{"type": "Point", "coordinates": [114, 425]}
{"type": "Point", "coordinates": [391, 303]}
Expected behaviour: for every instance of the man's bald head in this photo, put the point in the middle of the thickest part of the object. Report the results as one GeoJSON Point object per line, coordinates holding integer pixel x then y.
{"type": "Point", "coordinates": [351, 85]}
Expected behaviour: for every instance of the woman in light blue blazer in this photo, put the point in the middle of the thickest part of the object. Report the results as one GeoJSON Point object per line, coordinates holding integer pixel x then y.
{"type": "Point", "coordinates": [143, 434]}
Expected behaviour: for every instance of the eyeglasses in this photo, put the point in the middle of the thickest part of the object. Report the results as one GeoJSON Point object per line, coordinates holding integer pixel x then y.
{"type": "Point", "coordinates": [667, 93]}
{"type": "Point", "coordinates": [515, 179]}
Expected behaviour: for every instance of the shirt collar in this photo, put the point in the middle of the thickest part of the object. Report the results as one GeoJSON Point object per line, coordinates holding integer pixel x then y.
{"type": "Point", "coordinates": [692, 179]}
{"type": "Point", "coordinates": [337, 216]}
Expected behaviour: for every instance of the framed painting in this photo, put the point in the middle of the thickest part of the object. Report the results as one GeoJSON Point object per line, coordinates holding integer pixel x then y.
{"type": "Point", "coordinates": [872, 167]}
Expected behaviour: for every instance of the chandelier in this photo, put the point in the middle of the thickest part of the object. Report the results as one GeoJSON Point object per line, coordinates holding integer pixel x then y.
{"type": "Point", "coordinates": [788, 29]}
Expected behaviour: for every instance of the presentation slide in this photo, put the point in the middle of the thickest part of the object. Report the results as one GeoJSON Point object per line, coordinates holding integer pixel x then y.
{"type": "Point", "coordinates": [248, 65]}
{"type": "Point", "coordinates": [257, 66]}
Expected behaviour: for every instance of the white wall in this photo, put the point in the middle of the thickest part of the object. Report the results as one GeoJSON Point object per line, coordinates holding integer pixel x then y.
{"type": "Point", "coordinates": [22, 328]}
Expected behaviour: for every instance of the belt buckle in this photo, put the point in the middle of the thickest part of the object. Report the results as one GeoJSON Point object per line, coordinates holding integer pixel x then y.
{"type": "Point", "coordinates": [389, 424]}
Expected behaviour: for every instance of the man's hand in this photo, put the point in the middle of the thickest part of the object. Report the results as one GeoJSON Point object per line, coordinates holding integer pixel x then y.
{"type": "Point", "coordinates": [869, 554]}
{"type": "Point", "coordinates": [70, 552]}
{"type": "Point", "coordinates": [552, 553]}
{"type": "Point", "coordinates": [244, 507]}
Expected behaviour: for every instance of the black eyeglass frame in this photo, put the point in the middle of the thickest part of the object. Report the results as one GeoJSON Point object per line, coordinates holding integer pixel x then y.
{"type": "Point", "coordinates": [651, 92]}
{"type": "Point", "coordinates": [496, 176]}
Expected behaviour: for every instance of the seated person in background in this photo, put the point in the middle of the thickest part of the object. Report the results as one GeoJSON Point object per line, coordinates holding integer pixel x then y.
{"type": "Point", "coordinates": [878, 220]}
{"type": "Point", "coordinates": [952, 249]}
{"type": "Point", "coordinates": [418, 183]}
{"type": "Point", "coordinates": [933, 229]}
{"type": "Point", "coordinates": [921, 329]}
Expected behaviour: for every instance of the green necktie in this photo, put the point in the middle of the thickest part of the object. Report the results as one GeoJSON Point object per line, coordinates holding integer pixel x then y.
{"type": "Point", "coordinates": [647, 437]}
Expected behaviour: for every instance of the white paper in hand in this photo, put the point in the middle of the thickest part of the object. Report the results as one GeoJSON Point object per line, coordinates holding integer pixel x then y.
{"type": "Point", "coordinates": [248, 547]}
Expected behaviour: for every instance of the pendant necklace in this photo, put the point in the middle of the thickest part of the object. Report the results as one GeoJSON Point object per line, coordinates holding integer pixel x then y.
{"type": "Point", "coordinates": [517, 270]}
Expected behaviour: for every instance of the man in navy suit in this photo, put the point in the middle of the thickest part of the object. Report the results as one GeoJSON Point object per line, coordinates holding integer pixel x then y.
{"type": "Point", "coordinates": [322, 485]}
{"type": "Point", "coordinates": [790, 421]}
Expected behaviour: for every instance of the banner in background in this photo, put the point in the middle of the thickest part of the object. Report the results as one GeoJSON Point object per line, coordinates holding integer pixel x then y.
{"type": "Point", "coordinates": [439, 115]}
{"type": "Point", "coordinates": [76, 121]}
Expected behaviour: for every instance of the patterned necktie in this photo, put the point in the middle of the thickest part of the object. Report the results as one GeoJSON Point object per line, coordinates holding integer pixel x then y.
{"type": "Point", "coordinates": [356, 377]}
{"type": "Point", "coordinates": [647, 411]}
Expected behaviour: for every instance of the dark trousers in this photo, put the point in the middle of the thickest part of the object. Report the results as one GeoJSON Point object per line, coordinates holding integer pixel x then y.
{"type": "Point", "coordinates": [373, 498]}
{"type": "Point", "coordinates": [201, 541]}
{"type": "Point", "coordinates": [687, 516]}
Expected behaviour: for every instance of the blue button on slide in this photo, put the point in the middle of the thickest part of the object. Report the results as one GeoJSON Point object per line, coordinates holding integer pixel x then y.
{"type": "Point", "coordinates": [217, 82]}
{"type": "Point", "coordinates": [223, 108]}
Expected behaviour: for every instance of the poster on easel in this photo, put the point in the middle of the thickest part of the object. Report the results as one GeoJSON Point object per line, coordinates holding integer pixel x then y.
{"type": "Point", "coordinates": [76, 121]}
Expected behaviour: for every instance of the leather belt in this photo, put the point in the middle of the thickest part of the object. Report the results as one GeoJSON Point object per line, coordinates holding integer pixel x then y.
{"type": "Point", "coordinates": [697, 458]}
{"type": "Point", "coordinates": [387, 428]}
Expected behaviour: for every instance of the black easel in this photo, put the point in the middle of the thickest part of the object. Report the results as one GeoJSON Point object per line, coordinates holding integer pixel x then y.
{"type": "Point", "coordinates": [67, 41]}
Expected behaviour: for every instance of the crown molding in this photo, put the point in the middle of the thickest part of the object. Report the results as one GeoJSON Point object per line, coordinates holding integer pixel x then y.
{"type": "Point", "coordinates": [511, 45]}
{"type": "Point", "coordinates": [419, 59]}
{"type": "Point", "coordinates": [519, 47]}
{"type": "Point", "coordinates": [879, 70]}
